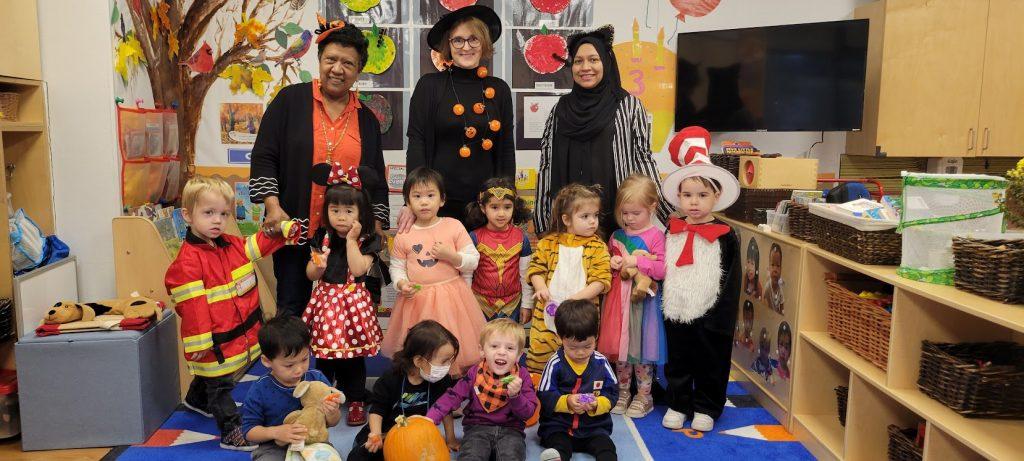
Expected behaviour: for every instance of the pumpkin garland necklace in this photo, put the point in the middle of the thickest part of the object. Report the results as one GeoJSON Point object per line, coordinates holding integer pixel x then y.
{"type": "Point", "coordinates": [479, 108]}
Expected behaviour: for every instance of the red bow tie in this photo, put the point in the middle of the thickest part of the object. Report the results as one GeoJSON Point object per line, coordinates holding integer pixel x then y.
{"type": "Point", "coordinates": [709, 232]}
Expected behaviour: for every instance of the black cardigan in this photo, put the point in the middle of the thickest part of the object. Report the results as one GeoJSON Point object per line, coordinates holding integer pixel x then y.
{"type": "Point", "coordinates": [282, 157]}
{"type": "Point", "coordinates": [435, 133]}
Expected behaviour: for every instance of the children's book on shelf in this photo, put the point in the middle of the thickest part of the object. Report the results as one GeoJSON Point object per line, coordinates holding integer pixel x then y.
{"type": "Point", "coordinates": [246, 213]}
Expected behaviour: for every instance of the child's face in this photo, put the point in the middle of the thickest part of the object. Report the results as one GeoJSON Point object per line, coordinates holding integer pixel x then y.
{"type": "Point", "coordinates": [695, 199]}
{"type": "Point", "coordinates": [443, 357]}
{"type": "Point", "coordinates": [208, 216]}
{"type": "Point", "coordinates": [498, 212]}
{"type": "Point", "coordinates": [288, 369]}
{"type": "Point", "coordinates": [579, 351]}
{"type": "Point", "coordinates": [424, 201]}
{"type": "Point", "coordinates": [751, 269]}
{"type": "Point", "coordinates": [775, 266]}
{"type": "Point", "coordinates": [583, 222]}
{"type": "Point", "coordinates": [501, 352]}
{"type": "Point", "coordinates": [341, 217]}
{"type": "Point", "coordinates": [635, 216]}
{"type": "Point", "coordinates": [783, 352]}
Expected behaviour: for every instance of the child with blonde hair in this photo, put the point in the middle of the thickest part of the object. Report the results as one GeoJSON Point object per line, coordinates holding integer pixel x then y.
{"type": "Point", "coordinates": [571, 262]}
{"type": "Point", "coordinates": [632, 329]}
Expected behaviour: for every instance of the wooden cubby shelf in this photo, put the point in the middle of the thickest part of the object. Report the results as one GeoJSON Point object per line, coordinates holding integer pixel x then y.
{"type": "Point", "coordinates": [815, 408]}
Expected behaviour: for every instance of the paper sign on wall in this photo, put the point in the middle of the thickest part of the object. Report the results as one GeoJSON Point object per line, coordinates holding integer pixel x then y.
{"type": "Point", "coordinates": [396, 177]}
{"type": "Point", "coordinates": [535, 113]}
{"type": "Point", "coordinates": [526, 179]}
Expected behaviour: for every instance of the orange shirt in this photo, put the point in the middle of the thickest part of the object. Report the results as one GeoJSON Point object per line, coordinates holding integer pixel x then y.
{"type": "Point", "coordinates": [348, 151]}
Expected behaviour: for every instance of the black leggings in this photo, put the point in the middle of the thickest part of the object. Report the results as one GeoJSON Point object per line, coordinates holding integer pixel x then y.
{"type": "Point", "coordinates": [350, 375]}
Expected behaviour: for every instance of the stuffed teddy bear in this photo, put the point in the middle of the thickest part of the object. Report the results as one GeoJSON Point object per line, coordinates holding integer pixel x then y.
{"type": "Point", "coordinates": [642, 284]}
{"type": "Point", "coordinates": [131, 308]}
{"type": "Point", "coordinates": [310, 394]}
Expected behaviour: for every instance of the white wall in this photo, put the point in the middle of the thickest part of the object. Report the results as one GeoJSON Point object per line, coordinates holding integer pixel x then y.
{"type": "Point", "coordinates": [78, 71]}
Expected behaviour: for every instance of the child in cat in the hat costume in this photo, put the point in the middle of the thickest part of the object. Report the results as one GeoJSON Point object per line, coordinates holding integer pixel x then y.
{"type": "Point", "coordinates": [701, 288]}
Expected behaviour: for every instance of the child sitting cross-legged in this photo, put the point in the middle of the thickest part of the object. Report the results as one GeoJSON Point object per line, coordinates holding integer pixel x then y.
{"type": "Point", "coordinates": [577, 389]}
{"type": "Point", "coordinates": [501, 397]}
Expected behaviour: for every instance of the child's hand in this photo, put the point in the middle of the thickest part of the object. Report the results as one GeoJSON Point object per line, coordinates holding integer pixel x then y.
{"type": "Point", "coordinates": [616, 262]}
{"type": "Point", "coordinates": [444, 252]}
{"type": "Point", "coordinates": [374, 442]}
{"type": "Point", "coordinates": [353, 233]}
{"type": "Point", "coordinates": [453, 443]}
{"type": "Point", "coordinates": [574, 404]}
{"type": "Point", "coordinates": [197, 356]}
{"type": "Point", "coordinates": [290, 433]}
{"type": "Point", "coordinates": [526, 314]}
{"type": "Point", "coordinates": [405, 288]}
{"type": "Point", "coordinates": [320, 259]}
{"type": "Point", "coordinates": [628, 262]}
{"type": "Point", "coordinates": [542, 295]}
{"type": "Point", "coordinates": [331, 405]}
{"type": "Point", "coordinates": [514, 387]}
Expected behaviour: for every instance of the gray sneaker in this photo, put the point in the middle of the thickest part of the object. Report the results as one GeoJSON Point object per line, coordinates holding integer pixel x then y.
{"type": "Point", "coordinates": [550, 455]}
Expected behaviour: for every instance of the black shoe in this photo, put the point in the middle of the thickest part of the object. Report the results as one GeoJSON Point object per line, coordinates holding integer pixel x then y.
{"type": "Point", "coordinates": [234, 440]}
{"type": "Point", "coordinates": [196, 408]}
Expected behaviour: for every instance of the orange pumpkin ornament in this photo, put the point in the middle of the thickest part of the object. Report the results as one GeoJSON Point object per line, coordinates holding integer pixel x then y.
{"type": "Point", "coordinates": [459, 109]}
{"type": "Point", "coordinates": [415, 439]}
{"type": "Point", "coordinates": [489, 93]}
{"type": "Point", "coordinates": [495, 125]}
{"type": "Point", "coordinates": [478, 108]}
{"type": "Point", "coordinates": [486, 144]}
{"type": "Point", "coordinates": [464, 152]}
{"type": "Point", "coordinates": [481, 71]}
{"type": "Point", "coordinates": [470, 132]}
{"type": "Point", "coordinates": [536, 414]}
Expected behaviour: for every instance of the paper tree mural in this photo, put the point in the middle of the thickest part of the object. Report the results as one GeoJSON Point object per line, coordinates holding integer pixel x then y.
{"type": "Point", "coordinates": [252, 40]}
{"type": "Point", "coordinates": [648, 71]}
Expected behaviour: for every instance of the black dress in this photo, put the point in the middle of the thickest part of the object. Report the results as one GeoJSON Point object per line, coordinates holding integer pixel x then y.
{"type": "Point", "coordinates": [436, 134]}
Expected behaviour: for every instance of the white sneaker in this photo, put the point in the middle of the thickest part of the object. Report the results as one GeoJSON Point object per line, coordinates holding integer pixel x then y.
{"type": "Point", "coordinates": [622, 404]}
{"type": "Point", "coordinates": [550, 455]}
{"type": "Point", "coordinates": [702, 422]}
{"type": "Point", "coordinates": [673, 419]}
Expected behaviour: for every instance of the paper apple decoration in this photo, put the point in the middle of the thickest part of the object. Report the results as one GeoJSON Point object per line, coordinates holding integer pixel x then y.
{"type": "Point", "coordinates": [539, 51]}
{"type": "Point", "coordinates": [550, 6]}
{"type": "Point", "coordinates": [452, 5]}
{"type": "Point", "coordinates": [381, 50]}
{"type": "Point", "coordinates": [360, 6]}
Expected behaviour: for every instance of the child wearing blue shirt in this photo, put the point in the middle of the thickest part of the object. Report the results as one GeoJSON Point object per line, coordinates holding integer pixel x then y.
{"type": "Point", "coordinates": [285, 344]}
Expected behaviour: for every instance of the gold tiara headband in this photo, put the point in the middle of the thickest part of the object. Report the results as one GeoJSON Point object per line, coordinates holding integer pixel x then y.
{"type": "Point", "coordinates": [499, 193]}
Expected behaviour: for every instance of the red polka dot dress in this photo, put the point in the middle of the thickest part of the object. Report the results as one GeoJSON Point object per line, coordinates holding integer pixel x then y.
{"type": "Point", "coordinates": [341, 315]}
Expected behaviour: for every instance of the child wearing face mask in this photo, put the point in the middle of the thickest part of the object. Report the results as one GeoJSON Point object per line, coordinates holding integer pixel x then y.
{"type": "Point", "coordinates": [418, 378]}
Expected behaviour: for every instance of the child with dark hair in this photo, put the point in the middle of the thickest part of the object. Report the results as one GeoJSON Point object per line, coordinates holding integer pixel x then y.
{"type": "Point", "coordinates": [752, 277]}
{"type": "Point", "coordinates": [418, 377]}
{"type": "Point", "coordinates": [774, 289]}
{"type": "Point", "coordinates": [577, 389]}
{"type": "Point", "coordinates": [500, 283]}
{"type": "Point", "coordinates": [285, 344]}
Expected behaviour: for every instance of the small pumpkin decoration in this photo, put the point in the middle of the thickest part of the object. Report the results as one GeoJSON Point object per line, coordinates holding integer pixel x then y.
{"type": "Point", "coordinates": [415, 439]}
{"type": "Point", "coordinates": [459, 109]}
{"type": "Point", "coordinates": [536, 413]}
{"type": "Point", "coordinates": [495, 125]}
{"type": "Point", "coordinates": [487, 144]}
{"type": "Point", "coordinates": [470, 132]}
{"type": "Point", "coordinates": [481, 72]}
{"type": "Point", "coordinates": [489, 93]}
{"type": "Point", "coordinates": [464, 152]}
{"type": "Point", "coordinates": [478, 108]}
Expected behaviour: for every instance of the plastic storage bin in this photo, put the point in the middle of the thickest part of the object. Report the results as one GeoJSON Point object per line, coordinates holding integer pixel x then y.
{"type": "Point", "coordinates": [10, 424]}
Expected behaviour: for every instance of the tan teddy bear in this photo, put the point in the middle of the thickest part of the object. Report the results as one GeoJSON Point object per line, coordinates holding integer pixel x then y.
{"type": "Point", "coordinates": [310, 394]}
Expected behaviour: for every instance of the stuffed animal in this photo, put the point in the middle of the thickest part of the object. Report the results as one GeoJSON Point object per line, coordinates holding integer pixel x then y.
{"type": "Point", "coordinates": [130, 308]}
{"type": "Point", "coordinates": [310, 394]}
{"type": "Point", "coordinates": [642, 284]}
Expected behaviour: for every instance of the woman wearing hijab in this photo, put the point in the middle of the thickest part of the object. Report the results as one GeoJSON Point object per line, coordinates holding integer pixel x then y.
{"type": "Point", "coordinates": [597, 134]}
{"type": "Point", "coordinates": [460, 118]}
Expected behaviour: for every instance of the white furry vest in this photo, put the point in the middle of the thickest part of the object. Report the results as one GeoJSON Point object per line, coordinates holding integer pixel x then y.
{"type": "Point", "coordinates": [691, 291]}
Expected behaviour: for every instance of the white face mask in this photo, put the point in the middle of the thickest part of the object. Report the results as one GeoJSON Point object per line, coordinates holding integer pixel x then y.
{"type": "Point", "coordinates": [437, 373]}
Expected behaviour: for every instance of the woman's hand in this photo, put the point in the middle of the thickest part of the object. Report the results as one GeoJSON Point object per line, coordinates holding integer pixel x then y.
{"type": "Point", "coordinates": [353, 233]}
{"type": "Point", "coordinates": [405, 219]}
{"type": "Point", "coordinates": [374, 442]}
{"type": "Point", "coordinates": [275, 215]}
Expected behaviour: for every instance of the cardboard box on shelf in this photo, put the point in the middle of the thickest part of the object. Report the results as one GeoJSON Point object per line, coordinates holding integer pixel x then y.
{"type": "Point", "coordinates": [778, 173]}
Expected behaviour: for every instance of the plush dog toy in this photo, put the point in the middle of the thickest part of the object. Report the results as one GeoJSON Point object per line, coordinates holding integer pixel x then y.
{"type": "Point", "coordinates": [130, 308]}
{"type": "Point", "coordinates": [310, 394]}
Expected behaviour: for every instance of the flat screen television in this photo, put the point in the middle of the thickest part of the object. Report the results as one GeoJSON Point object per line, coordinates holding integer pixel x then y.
{"type": "Point", "coordinates": [799, 77]}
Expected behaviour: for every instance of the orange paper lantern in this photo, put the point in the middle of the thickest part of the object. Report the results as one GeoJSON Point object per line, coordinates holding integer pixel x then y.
{"type": "Point", "coordinates": [415, 438]}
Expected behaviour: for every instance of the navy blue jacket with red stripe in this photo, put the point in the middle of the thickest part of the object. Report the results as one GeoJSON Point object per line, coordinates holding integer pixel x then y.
{"type": "Point", "coordinates": [560, 380]}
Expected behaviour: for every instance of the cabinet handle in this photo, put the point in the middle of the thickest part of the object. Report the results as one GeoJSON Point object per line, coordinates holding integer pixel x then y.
{"type": "Point", "coordinates": [970, 139]}
{"type": "Point", "coordinates": [984, 139]}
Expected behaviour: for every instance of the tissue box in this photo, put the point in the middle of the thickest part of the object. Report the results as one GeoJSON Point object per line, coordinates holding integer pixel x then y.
{"type": "Point", "coordinates": [778, 173]}
{"type": "Point", "coordinates": [98, 389]}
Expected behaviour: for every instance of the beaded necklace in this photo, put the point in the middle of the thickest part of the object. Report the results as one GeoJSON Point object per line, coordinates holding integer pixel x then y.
{"type": "Point", "coordinates": [479, 108]}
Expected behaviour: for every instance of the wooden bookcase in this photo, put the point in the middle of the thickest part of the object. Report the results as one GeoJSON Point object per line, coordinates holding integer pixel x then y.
{"type": "Point", "coordinates": [877, 397]}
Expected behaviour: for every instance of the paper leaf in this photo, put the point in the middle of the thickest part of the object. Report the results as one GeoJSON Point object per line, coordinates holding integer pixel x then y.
{"type": "Point", "coordinates": [544, 29]}
{"type": "Point", "coordinates": [115, 15]}
{"type": "Point", "coordinates": [281, 37]}
{"type": "Point", "coordinates": [305, 76]}
{"type": "Point", "coordinates": [292, 29]}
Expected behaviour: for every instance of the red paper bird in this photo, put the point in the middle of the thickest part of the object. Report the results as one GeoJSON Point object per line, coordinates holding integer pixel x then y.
{"type": "Point", "coordinates": [202, 60]}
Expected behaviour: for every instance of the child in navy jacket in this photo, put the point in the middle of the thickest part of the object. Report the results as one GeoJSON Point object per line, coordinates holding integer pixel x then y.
{"type": "Point", "coordinates": [577, 389]}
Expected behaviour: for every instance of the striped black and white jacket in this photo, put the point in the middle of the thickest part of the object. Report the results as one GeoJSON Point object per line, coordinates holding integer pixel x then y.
{"type": "Point", "coordinates": [631, 150]}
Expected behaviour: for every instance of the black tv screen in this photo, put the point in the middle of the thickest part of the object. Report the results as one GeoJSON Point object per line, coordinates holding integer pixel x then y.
{"type": "Point", "coordinates": [800, 77]}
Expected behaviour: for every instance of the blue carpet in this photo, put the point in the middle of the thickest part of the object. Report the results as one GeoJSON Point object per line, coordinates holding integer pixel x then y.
{"type": "Point", "coordinates": [186, 435]}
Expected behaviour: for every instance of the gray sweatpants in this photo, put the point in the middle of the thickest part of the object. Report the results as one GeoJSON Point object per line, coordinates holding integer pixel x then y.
{"type": "Point", "coordinates": [478, 442]}
{"type": "Point", "coordinates": [269, 451]}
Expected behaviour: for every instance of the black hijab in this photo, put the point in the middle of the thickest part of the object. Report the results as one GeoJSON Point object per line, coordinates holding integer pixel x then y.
{"type": "Point", "coordinates": [585, 112]}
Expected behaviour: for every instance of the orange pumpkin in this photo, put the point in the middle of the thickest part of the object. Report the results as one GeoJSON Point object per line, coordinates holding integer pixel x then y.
{"type": "Point", "coordinates": [478, 107]}
{"type": "Point", "coordinates": [487, 144]}
{"type": "Point", "coordinates": [536, 413]}
{"type": "Point", "coordinates": [464, 152]}
{"type": "Point", "coordinates": [481, 71]}
{"type": "Point", "coordinates": [470, 132]}
{"type": "Point", "coordinates": [489, 93]}
{"type": "Point", "coordinates": [459, 109]}
{"type": "Point", "coordinates": [415, 439]}
{"type": "Point", "coordinates": [495, 125]}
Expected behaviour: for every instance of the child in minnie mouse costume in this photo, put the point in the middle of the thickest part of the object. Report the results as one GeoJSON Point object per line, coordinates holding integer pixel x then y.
{"type": "Point", "coordinates": [701, 288]}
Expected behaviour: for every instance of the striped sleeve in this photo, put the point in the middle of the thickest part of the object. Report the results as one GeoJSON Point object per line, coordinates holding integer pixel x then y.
{"type": "Point", "coordinates": [542, 207]}
{"type": "Point", "coordinates": [632, 148]}
{"type": "Point", "coordinates": [184, 281]}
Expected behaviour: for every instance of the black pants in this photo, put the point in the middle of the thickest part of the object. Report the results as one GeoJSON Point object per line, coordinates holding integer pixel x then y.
{"type": "Point", "coordinates": [359, 452]}
{"type": "Point", "coordinates": [600, 447]}
{"type": "Point", "coordinates": [214, 395]}
{"type": "Point", "coordinates": [350, 375]}
{"type": "Point", "coordinates": [453, 209]}
{"type": "Point", "coordinates": [697, 368]}
{"type": "Point", "coordinates": [293, 287]}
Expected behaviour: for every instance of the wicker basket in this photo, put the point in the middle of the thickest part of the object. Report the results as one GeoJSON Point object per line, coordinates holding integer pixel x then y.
{"type": "Point", "coordinates": [730, 162]}
{"type": "Point", "coordinates": [954, 375]}
{"type": "Point", "coordinates": [9, 106]}
{"type": "Point", "coordinates": [902, 446]}
{"type": "Point", "coordinates": [991, 268]}
{"type": "Point", "coordinates": [6, 318]}
{"type": "Point", "coordinates": [751, 199]}
{"type": "Point", "coordinates": [858, 323]}
{"type": "Point", "coordinates": [865, 247]}
{"type": "Point", "coordinates": [801, 222]}
{"type": "Point", "coordinates": [842, 393]}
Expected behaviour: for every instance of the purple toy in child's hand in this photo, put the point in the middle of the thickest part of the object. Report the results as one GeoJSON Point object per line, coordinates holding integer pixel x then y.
{"type": "Point", "coordinates": [550, 309]}
{"type": "Point", "coordinates": [587, 399]}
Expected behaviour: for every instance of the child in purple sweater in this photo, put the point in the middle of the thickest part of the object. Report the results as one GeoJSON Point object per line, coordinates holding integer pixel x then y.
{"type": "Point", "coordinates": [501, 397]}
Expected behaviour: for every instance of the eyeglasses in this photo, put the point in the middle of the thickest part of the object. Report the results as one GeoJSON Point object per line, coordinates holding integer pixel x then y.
{"type": "Point", "coordinates": [459, 42]}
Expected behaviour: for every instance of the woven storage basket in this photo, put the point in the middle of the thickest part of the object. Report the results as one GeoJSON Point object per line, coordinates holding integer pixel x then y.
{"type": "Point", "coordinates": [751, 199]}
{"type": "Point", "coordinates": [991, 268]}
{"type": "Point", "coordinates": [954, 375]}
{"type": "Point", "coordinates": [728, 161]}
{"type": "Point", "coordinates": [857, 323]}
{"type": "Point", "coordinates": [902, 446]}
{"type": "Point", "coordinates": [801, 222]}
{"type": "Point", "coordinates": [9, 106]}
{"type": "Point", "coordinates": [865, 247]}
{"type": "Point", "coordinates": [842, 393]}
